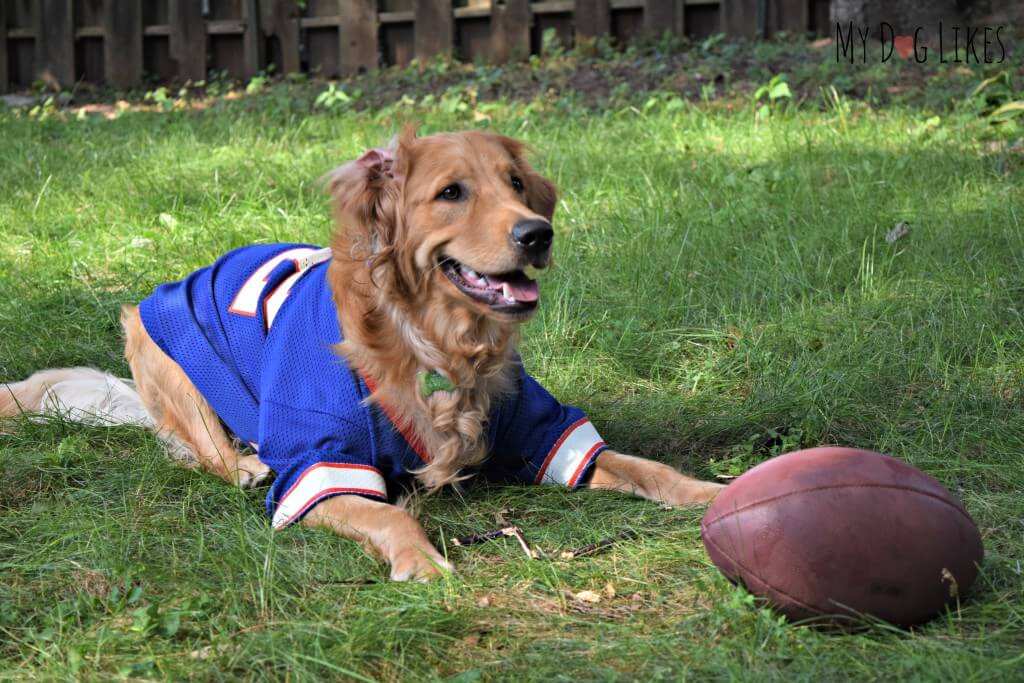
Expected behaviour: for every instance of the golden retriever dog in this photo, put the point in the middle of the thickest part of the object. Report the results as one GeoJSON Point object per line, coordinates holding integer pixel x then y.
{"type": "Point", "coordinates": [385, 361]}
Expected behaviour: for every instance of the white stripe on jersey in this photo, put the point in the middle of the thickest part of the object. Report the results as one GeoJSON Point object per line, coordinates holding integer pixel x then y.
{"type": "Point", "coordinates": [570, 454]}
{"type": "Point", "coordinates": [324, 479]}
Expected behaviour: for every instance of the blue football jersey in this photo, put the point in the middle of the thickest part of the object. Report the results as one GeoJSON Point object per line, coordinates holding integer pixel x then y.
{"type": "Point", "coordinates": [254, 332]}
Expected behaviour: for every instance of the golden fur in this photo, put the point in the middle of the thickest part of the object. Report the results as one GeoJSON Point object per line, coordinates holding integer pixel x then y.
{"type": "Point", "coordinates": [399, 313]}
{"type": "Point", "coordinates": [401, 316]}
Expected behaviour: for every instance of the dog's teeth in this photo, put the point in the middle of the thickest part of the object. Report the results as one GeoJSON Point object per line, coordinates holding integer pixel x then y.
{"type": "Point", "coordinates": [506, 293]}
{"type": "Point", "coordinates": [470, 272]}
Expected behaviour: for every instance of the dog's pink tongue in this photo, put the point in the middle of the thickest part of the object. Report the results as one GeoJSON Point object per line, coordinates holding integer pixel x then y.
{"type": "Point", "coordinates": [524, 291]}
{"type": "Point", "coordinates": [520, 289]}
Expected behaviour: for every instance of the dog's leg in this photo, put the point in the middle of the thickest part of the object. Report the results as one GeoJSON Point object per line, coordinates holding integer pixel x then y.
{"type": "Point", "coordinates": [383, 530]}
{"type": "Point", "coordinates": [649, 479]}
{"type": "Point", "coordinates": [181, 415]}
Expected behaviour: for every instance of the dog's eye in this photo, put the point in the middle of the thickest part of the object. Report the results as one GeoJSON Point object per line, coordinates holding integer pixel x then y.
{"type": "Point", "coordinates": [451, 193]}
{"type": "Point", "coordinates": [517, 183]}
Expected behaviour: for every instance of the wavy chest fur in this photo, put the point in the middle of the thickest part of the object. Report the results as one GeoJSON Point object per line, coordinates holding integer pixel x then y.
{"type": "Point", "coordinates": [392, 343]}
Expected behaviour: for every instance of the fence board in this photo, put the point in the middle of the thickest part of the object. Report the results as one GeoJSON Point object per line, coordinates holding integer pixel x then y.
{"type": "Point", "coordinates": [5, 79]}
{"type": "Point", "coordinates": [397, 43]}
{"type": "Point", "coordinates": [122, 42]}
{"type": "Point", "coordinates": [89, 12]}
{"type": "Point", "coordinates": [433, 29]}
{"type": "Point", "coordinates": [661, 16]}
{"type": "Point", "coordinates": [89, 59]}
{"type": "Point", "coordinates": [561, 22]}
{"type": "Point", "coordinates": [739, 18]}
{"type": "Point", "coordinates": [510, 30]}
{"type": "Point", "coordinates": [117, 40]}
{"type": "Point", "coordinates": [280, 19]}
{"type": "Point", "coordinates": [252, 39]}
{"type": "Point", "coordinates": [818, 17]}
{"type": "Point", "coordinates": [357, 35]}
{"type": "Point", "coordinates": [702, 21]}
{"type": "Point", "coordinates": [155, 12]}
{"type": "Point", "coordinates": [592, 18]}
{"type": "Point", "coordinates": [55, 42]}
{"type": "Point", "coordinates": [789, 15]}
{"type": "Point", "coordinates": [224, 9]}
{"type": "Point", "coordinates": [188, 38]}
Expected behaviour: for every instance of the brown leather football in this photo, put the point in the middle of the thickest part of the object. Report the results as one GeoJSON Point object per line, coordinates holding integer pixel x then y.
{"type": "Point", "coordinates": [840, 532]}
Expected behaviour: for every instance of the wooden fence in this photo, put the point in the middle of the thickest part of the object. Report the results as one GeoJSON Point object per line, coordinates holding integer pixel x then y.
{"type": "Point", "coordinates": [122, 42]}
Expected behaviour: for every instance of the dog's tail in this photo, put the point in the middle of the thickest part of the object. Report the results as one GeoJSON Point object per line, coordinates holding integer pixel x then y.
{"type": "Point", "coordinates": [79, 394]}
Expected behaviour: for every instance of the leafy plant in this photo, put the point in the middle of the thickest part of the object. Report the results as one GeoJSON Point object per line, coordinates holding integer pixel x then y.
{"type": "Point", "coordinates": [260, 81]}
{"type": "Point", "coordinates": [757, 448]}
{"type": "Point", "coordinates": [44, 109]}
{"type": "Point", "coordinates": [663, 101]}
{"type": "Point", "coordinates": [333, 98]}
{"type": "Point", "coordinates": [161, 97]}
{"type": "Point", "coordinates": [551, 45]}
{"type": "Point", "coordinates": [770, 93]}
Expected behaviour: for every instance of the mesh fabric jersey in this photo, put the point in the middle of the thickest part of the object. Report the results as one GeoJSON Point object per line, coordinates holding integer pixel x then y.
{"type": "Point", "coordinates": [255, 331]}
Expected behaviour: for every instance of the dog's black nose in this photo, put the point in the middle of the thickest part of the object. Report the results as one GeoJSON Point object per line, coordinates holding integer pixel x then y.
{"type": "Point", "coordinates": [533, 236]}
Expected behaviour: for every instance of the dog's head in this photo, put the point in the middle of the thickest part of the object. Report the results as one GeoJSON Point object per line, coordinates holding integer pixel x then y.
{"type": "Point", "coordinates": [454, 219]}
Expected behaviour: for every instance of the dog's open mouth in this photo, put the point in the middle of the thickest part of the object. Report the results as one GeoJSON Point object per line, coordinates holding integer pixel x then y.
{"type": "Point", "coordinates": [511, 292]}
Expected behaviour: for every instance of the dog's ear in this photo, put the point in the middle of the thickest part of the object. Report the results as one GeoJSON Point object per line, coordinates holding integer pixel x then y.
{"type": "Point", "coordinates": [541, 193]}
{"type": "Point", "coordinates": [365, 193]}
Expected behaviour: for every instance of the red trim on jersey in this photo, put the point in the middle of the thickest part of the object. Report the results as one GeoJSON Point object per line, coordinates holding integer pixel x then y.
{"type": "Point", "coordinates": [252, 314]}
{"type": "Point", "coordinates": [411, 438]}
{"type": "Point", "coordinates": [326, 492]}
{"type": "Point", "coordinates": [332, 465]}
{"type": "Point", "coordinates": [575, 479]}
{"type": "Point", "coordinates": [558, 444]}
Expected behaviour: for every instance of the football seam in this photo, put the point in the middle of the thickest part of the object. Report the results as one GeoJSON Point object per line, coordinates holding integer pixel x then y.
{"type": "Point", "coordinates": [747, 506]}
{"type": "Point", "coordinates": [748, 571]}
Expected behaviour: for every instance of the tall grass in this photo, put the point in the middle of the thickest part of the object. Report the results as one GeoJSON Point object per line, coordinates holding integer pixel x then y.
{"type": "Point", "coordinates": [718, 280]}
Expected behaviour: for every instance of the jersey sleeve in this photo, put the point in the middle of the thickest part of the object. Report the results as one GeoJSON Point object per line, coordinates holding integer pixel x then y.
{"type": "Point", "coordinates": [315, 456]}
{"type": "Point", "coordinates": [536, 439]}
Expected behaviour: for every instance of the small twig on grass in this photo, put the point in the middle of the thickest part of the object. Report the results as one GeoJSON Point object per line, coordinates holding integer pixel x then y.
{"type": "Point", "coordinates": [599, 545]}
{"type": "Point", "coordinates": [509, 531]}
{"type": "Point", "coordinates": [518, 534]}
{"type": "Point", "coordinates": [475, 539]}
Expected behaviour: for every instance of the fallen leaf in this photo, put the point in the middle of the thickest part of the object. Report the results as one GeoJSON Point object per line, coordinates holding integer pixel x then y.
{"type": "Point", "coordinates": [609, 590]}
{"type": "Point", "coordinates": [168, 221]}
{"type": "Point", "coordinates": [898, 232]}
{"type": "Point", "coordinates": [587, 596]}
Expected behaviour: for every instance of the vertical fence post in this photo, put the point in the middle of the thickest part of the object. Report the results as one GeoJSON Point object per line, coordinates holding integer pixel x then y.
{"type": "Point", "coordinates": [188, 38]}
{"type": "Point", "coordinates": [122, 42]}
{"type": "Point", "coordinates": [4, 74]}
{"type": "Point", "coordinates": [55, 42]}
{"type": "Point", "coordinates": [433, 28]}
{"type": "Point", "coordinates": [279, 18]}
{"type": "Point", "coordinates": [593, 18]}
{"type": "Point", "coordinates": [510, 30]}
{"type": "Point", "coordinates": [252, 39]}
{"type": "Point", "coordinates": [661, 16]}
{"type": "Point", "coordinates": [739, 17]}
{"type": "Point", "coordinates": [357, 36]}
{"type": "Point", "coordinates": [789, 15]}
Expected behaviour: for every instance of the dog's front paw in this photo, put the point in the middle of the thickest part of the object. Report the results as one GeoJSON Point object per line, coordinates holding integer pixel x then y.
{"type": "Point", "coordinates": [693, 493]}
{"type": "Point", "coordinates": [250, 472]}
{"type": "Point", "coordinates": [418, 564]}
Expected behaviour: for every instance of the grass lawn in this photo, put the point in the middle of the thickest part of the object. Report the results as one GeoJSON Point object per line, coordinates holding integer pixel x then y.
{"type": "Point", "coordinates": [723, 291]}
